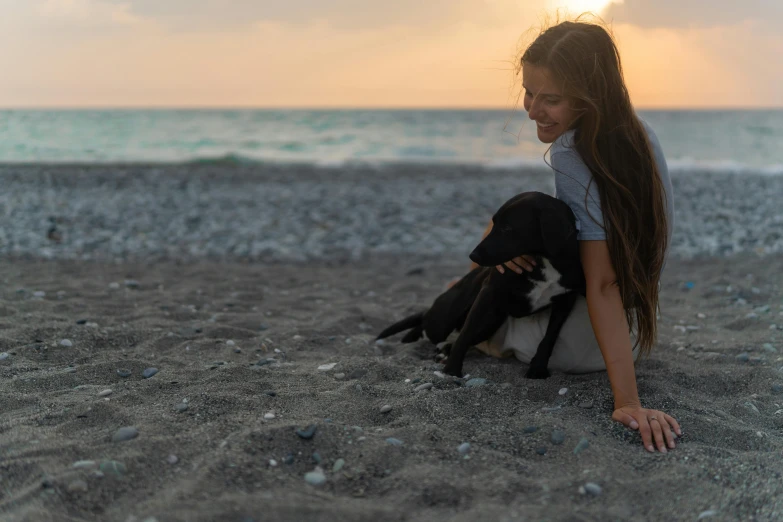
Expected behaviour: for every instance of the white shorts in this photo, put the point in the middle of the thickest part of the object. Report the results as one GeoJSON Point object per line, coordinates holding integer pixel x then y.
{"type": "Point", "coordinates": [576, 349]}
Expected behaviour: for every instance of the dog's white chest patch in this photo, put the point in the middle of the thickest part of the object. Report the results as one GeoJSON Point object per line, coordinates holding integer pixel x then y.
{"type": "Point", "coordinates": [543, 291]}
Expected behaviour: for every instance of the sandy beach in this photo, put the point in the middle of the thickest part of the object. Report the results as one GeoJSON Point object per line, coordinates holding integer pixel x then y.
{"type": "Point", "coordinates": [242, 349]}
{"type": "Point", "coordinates": [196, 343]}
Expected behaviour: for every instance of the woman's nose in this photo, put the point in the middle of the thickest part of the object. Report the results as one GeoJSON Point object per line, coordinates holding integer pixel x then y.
{"type": "Point", "coordinates": [533, 110]}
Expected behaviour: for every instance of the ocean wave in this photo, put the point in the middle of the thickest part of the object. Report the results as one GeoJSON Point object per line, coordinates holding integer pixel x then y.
{"type": "Point", "coordinates": [676, 166]}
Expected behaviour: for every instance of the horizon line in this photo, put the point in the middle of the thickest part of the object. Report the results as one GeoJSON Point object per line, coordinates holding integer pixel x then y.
{"type": "Point", "coordinates": [726, 108]}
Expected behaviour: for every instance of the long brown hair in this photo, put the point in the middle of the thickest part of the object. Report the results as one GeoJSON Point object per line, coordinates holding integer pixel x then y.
{"type": "Point", "coordinates": [613, 143]}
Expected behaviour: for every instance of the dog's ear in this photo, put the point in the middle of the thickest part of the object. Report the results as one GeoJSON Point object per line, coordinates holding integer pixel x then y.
{"type": "Point", "coordinates": [557, 230]}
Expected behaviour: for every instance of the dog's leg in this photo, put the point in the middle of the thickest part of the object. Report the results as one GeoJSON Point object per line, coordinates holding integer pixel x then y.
{"type": "Point", "coordinates": [561, 308]}
{"type": "Point", "coordinates": [485, 317]}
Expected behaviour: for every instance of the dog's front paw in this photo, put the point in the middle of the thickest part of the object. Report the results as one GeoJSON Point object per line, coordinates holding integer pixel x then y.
{"type": "Point", "coordinates": [537, 372]}
{"type": "Point", "coordinates": [452, 369]}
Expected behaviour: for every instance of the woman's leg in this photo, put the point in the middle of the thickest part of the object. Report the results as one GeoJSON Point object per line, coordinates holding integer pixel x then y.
{"type": "Point", "coordinates": [576, 349]}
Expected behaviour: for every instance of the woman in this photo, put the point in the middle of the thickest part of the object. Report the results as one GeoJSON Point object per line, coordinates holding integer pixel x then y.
{"type": "Point", "coordinates": [610, 170]}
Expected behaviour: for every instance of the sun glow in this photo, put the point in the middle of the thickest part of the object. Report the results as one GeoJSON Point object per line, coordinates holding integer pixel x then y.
{"type": "Point", "coordinates": [581, 6]}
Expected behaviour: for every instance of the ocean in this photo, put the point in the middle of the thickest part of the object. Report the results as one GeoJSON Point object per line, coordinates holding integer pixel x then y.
{"type": "Point", "coordinates": [731, 140]}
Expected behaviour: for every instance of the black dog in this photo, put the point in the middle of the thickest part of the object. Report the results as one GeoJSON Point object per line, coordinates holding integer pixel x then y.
{"type": "Point", "coordinates": [530, 223]}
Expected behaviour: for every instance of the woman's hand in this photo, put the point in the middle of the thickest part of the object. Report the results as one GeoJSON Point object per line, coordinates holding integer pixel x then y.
{"type": "Point", "coordinates": [652, 424]}
{"type": "Point", "coordinates": [518, 264]}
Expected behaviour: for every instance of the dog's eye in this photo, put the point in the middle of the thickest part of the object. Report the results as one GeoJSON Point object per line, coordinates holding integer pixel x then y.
{"type": "Point", "coordinates": [506, 229]}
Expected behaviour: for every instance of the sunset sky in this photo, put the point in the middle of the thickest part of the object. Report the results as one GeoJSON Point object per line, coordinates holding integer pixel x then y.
{"type": "Point", "coordinates": [368, 53]}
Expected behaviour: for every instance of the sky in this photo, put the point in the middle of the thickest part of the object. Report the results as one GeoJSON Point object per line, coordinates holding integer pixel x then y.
{"type": "Point", "coordinates": [370, 53]}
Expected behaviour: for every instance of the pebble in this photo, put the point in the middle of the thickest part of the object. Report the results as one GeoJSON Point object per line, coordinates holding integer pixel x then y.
{"type": "Point", "coordinates": [439, 374]}
{"type": "Point", "coordinates": [105, 393]}
{"type": "Point", "coordinates": [476, 381]}
{"type": "Point", "coordinates": [131, 283]}
{"type": "Point", "coordinates": [4, 356]}
{"type": "Point", "coordinates": [581, 446]}
{"type": "Point", "coordinates": [317, 457]}
{"type": "Point", "coordinates": [149, 372]}
{"type": "Point", "coordinates": [530, 429]}
{"type": "Point", "coordinates": [114, 285]}
{"type": "Point", "coordinates": [272, 463]}
{"type": "Point", "coordinates": [289, 459]}
{"type": "Point", "coordinates": [307, 433]}
{"type": "Point", "coordinates": [751, 407]}
{"type": "Point", "coordinates": [84, 464]}
{"type": "Point", "coordinates": [777, 388]}
{"type": "Point", "coordinates": [551, 409]}
{"type": "Point", "coordinates": [701, 315]}
{"type": "Point", "coordinates": [125, 433]}
{"type": "Point", "coordinates": [464, 448]}
{"type": "Point", "coordinates": [66, 343]}
{"type": "Point", "coordinates": [541, 450]}
{"type": "Point", "coordinates": [394, 442]}
{"type": "Point", "coordinates": [338, 465]}
{"type": "Point", "coordinates": [562, 391]}
{"type": "Point", "coordinates": [269, 416]}
{"type": "Point", "coordinates": [113, 467]}
{"type": "Point", "coordinates": [327, 367]}
{"type": "Point", "coordinates": [743, 357]}
{"type": "Point", "coordinates": [39, 293]}
{"type": "Point", "coordinates": [558, 437]}
{"type": "Point", "coordinates": [315, 477]}
{"type": "Point", "coordinates": [230, 343]}
{"type": "Point", "coordinates": [339, 376]}
{"type": "Point", "coordinates": [707, 514]}
{"type": "Point", "coordinates": [181, 407]}
{"type": "Point", "coordinates": [769, 348]}
{"type": "Point", "coordinates": [591, 488]}
{"type": "Point", "coordinates": [422, 387]}
{"type": "Point", "coordinates": [123, 372]}
{"type": "Point", "coordinates": [172, 459]}
{"type": "Point", "coordinates": [70, 369]}
{"type": "Point", "coordinates": [386, 408]}
{"type": "Point", "coordinates": [586, 405]}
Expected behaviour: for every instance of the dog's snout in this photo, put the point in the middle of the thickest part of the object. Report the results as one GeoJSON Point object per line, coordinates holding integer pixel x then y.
{"type": "Point", "coordinates": [476, 256]}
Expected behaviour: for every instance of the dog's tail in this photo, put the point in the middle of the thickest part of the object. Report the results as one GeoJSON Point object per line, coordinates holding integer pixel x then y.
{"type": "Point", "coordinates": [414, 321]}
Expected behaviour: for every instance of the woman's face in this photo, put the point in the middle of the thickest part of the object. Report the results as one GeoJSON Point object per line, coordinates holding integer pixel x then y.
{"type": "Point", "coordinates": [545, 103]}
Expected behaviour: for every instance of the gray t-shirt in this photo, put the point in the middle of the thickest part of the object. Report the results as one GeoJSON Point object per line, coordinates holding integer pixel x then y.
{"type": "Point", "coordinates": [572, 179]}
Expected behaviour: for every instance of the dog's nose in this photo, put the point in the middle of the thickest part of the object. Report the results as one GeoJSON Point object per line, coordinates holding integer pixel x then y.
{"type": "Point", "coordinates": [476, 256]}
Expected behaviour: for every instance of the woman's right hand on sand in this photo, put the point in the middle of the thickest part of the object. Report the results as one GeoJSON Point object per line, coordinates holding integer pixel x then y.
{"type": "Point", "coordinates": [518, 264]}
{"type": "Point", "coordinates": [653, 425]}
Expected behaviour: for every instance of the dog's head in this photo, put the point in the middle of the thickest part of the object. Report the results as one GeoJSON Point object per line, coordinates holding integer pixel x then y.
{"type": "Point", "coordinates": [530, 223]}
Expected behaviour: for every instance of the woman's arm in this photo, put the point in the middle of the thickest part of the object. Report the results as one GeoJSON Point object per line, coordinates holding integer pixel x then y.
{"type": "Point", "coordinates": [609, 323]}
{"type": "Point", "coordinates": [611, 329]}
